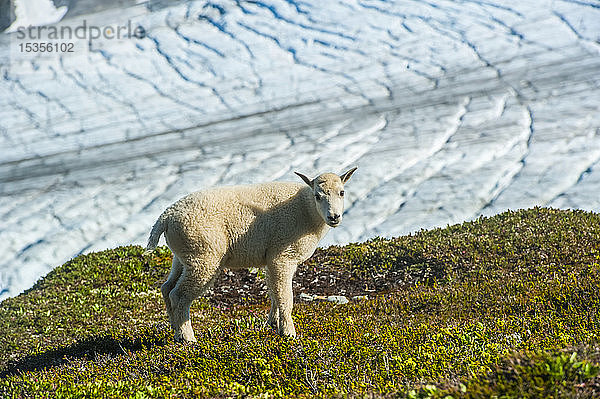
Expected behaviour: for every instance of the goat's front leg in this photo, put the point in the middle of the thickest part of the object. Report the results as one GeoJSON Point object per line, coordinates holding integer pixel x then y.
{"type": "Point", "coordinates": [280, 277]}
{"type": "Point", "coordinates": [273, 319]}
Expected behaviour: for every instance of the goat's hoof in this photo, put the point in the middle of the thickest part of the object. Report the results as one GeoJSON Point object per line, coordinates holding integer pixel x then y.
{"type": "Point", "coordinates": [271, 324]}
{"type": "Point", "coordinates": [185, 340]}
{"type": "Point", "coordinates": [288, 334]}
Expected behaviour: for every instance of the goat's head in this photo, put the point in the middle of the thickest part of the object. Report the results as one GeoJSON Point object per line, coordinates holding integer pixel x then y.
{"type": "Point", "coordinates": [328, 192]}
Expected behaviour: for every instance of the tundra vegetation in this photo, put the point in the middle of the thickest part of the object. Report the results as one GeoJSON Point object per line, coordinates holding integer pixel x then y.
{"type": "Point", "coordinates": [505, 306]}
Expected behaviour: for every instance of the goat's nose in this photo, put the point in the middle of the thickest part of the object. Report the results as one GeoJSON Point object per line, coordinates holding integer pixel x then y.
{"type": "Point", "coordinates": [333, 218]}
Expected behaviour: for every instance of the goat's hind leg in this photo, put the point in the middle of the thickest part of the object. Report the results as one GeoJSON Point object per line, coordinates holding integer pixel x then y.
{"type": "Point", "coordinates": [167, 287]}
{"type": "Point", "coordinates": [194, 281]}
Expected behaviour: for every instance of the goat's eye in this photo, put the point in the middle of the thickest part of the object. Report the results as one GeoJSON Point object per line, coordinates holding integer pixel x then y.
{"type": "Point", "coordinates": [318, 196]}
{"type": "Point", "coordinates": [342, 193]}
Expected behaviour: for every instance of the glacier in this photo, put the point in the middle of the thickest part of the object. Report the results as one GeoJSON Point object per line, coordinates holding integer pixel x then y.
{"type": "Point", "coordinates": [450, 109]}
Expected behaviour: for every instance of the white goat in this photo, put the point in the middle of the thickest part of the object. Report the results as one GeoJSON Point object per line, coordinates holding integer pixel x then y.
{"type": "Point", "coordinates": [274, 225]}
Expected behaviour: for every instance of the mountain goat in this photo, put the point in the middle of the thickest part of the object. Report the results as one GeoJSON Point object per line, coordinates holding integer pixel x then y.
{"type": "Point", "coordinates": [274, 225]}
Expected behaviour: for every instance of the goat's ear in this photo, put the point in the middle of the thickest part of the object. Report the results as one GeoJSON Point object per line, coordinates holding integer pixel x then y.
{"type": "Point", "coordinates": [306, 179]}
{"type": "Point", "coordinates": [346, 176]}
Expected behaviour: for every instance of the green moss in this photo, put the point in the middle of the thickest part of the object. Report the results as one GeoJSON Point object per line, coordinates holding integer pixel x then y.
{"type": "Point", "coordinates": [474, 310]}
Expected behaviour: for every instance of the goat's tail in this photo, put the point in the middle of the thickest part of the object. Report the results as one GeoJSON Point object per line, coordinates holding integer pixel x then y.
{"type": "Point", "coordinates": [159, 227]}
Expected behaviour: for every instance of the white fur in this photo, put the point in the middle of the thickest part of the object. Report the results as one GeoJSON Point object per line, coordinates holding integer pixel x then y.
{"type": "Point", "coordinates": [273, 225]}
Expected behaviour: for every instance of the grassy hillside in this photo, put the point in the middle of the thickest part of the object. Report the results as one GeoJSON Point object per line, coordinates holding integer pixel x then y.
{"type": "Point", "coordinates": [504, 306]}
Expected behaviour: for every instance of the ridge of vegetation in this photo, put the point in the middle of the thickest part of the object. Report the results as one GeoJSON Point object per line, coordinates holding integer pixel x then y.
{"type": "Point", "coordinates": [505, 306]}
